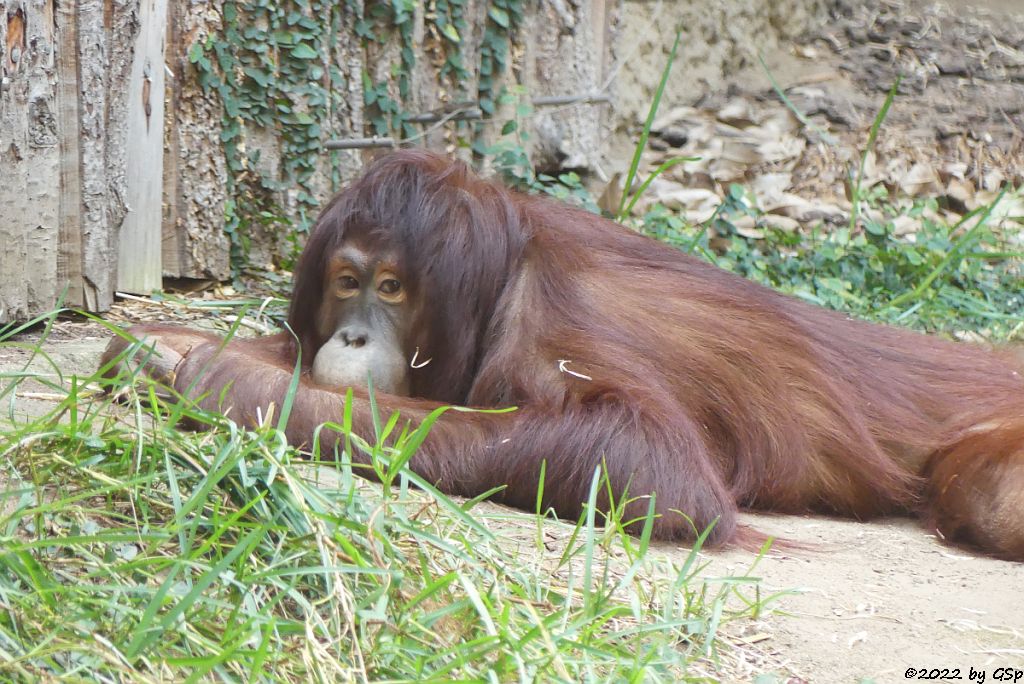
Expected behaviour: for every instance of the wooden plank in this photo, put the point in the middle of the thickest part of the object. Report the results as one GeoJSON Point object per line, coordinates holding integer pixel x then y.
{"type": "Point", "coordinates": [121, 22]}
{"type": "Point", "coordinates": [108, 29]}
{"type": "Point", "coordinates": [92, 73]}
{"type": "Point", "coordinates": [139, 266]}
{"type": "Point", "coordinates": [29, 162]}
{"type": "Point", "coordinates": [42, 183]}
{"type": "Point", "coordinates": [13, 120]}
{"type": "Point", "coordinates": [69, 257]}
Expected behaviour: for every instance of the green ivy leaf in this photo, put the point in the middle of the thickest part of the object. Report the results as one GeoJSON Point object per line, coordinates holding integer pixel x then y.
{"type": "Point", "coordinates": [303, 51]}
{"type": "Point", "coordinates": [451, 33]}
{"type": "Point", "coordinates": [261, 78]}
{"type": "Point", "coordinates": [364, 29]}
{"type": "Point", "coordinates": [195, 53]}
{"type": "Point", "coordinates": [874, 227]}
{"type": "Point", "coordinates": [499, 16]}
{"type": "Point", "coordinates": [283, 37]}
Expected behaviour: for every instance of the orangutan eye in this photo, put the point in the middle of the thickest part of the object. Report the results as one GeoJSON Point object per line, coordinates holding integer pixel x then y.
{"type": "Point", "coordinates": [389, 286]}
{"type": "Point", "coordinates": [348, 283]}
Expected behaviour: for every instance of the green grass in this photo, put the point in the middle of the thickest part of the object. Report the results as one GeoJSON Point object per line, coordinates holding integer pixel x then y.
{"type": "Point", "coordinates": [132, 551]}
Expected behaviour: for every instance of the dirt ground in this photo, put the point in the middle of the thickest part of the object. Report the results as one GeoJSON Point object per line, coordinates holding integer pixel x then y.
{"type": "Point", "coordinates": [872, 600]}
{"type": "Point", "coordinates": [864, 600]}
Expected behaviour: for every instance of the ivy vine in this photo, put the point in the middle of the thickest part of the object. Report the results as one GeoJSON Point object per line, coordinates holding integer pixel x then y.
{"type": "Point", "coordinates": [503, 17]}
{"type": "Point", "coordinates": [272, 66]}
{"type": "Point", "coordinates": [386, 100]}
{"type": "Point", "coordinates": [383, 111]}
{"type": "Point", "coordinates": [269, 68]}
{"type": "Point", "coordinates": [450, 24]}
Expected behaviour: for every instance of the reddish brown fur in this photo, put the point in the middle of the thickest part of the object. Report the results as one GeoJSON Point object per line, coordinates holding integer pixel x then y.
{"type": "Point", "coordinates": [706, 389]}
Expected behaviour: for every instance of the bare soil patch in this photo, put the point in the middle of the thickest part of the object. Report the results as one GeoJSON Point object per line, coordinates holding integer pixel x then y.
{"type": "Point", "coordinates": [874, 599]}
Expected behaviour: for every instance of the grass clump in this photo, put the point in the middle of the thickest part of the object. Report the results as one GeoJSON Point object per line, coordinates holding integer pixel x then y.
{"type": "Point", "coordinates": [132, 551]}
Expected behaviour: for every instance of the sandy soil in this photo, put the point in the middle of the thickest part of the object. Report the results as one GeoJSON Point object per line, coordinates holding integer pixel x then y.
{"type": "Point", "coordinates": [872, 600]}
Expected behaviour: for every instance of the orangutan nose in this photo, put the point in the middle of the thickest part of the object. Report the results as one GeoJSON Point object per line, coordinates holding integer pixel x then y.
{"type": "Point", "coordinates": [353, 338]}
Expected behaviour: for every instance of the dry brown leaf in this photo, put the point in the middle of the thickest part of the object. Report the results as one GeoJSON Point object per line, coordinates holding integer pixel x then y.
{"type": "Point", "coordinates": [737, 112]}
{"type": "Point", "coordinates": [677, 116]}
{"type": "Point", "coordinates": [746, 226]}
{"type": "Point", "coordinates": [742, 152]}
{"type": "Point", "coordinates": [920, 180]}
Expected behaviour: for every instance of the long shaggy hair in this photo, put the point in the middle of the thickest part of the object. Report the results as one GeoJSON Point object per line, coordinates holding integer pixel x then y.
{"type": "Point", "coordinates": [687, 382]}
